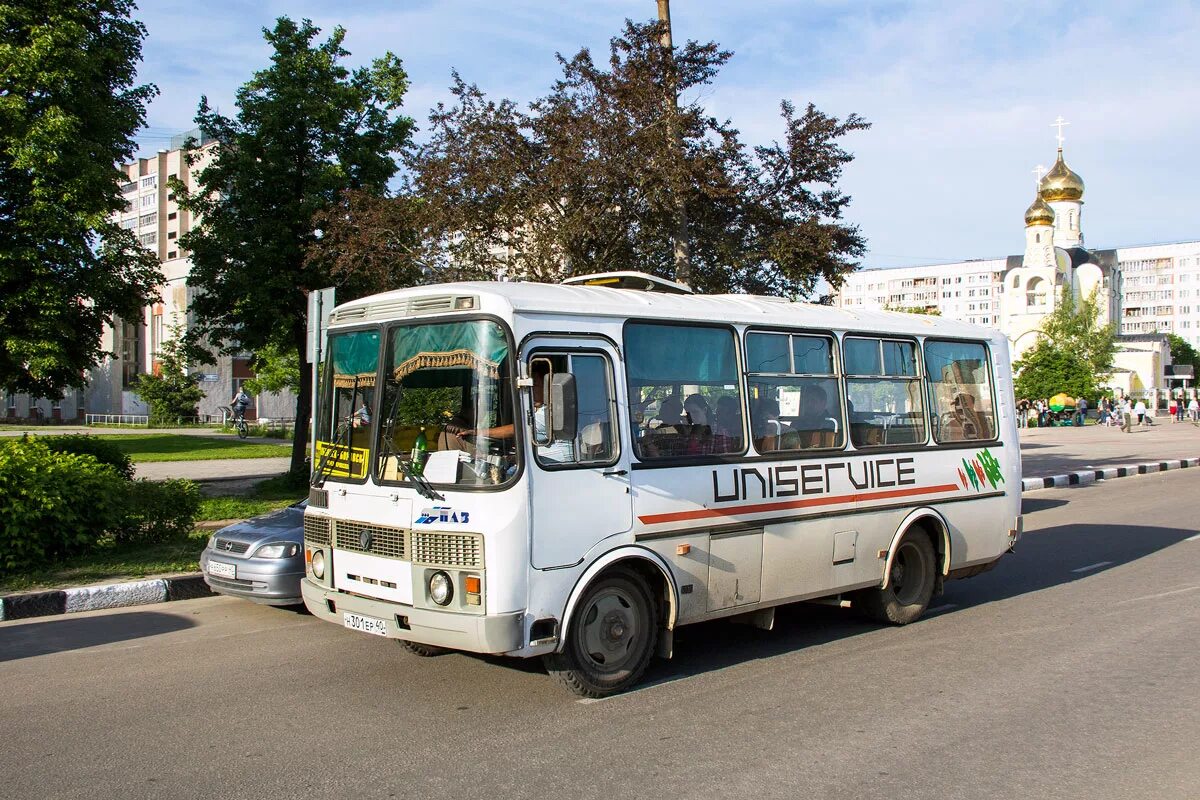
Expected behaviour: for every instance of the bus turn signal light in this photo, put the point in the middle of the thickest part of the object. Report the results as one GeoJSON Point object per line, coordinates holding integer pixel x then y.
{"type": "Point", "coordinates": [472, 584]}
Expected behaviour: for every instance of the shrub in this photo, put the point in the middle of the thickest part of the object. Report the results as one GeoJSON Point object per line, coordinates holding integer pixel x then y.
{"type": "Point", "coordinates": [53, 504]}
{"type": "Point", "coordinates": [158, 510]}
{"type": "Point", "coordinates": [103, 450]}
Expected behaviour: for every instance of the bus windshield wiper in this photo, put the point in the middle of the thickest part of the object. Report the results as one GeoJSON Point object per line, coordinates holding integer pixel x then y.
{"type": "Point", "coordinates": [423, 487]}
{"type": "Point", "coordinates": [326, 466]}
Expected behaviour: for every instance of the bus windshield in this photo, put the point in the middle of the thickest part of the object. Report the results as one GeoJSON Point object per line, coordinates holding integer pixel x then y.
{"type": "Point", "coordinates": [446, 410]}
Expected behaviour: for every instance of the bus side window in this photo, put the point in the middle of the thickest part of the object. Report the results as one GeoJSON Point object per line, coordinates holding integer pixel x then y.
{"type": "Point", "coordinates": [595, 434]}
{"type": "Point", "coordinates": [883, 392]}
{"type": "Point", "coordinates": [960, 391]}
{"type": "Point", "coordinates": [795, 402]}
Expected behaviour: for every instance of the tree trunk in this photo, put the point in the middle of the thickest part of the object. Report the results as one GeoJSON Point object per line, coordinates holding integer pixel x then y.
{"type": "Point", "coordinates": [679, 238]}
{"type": "Point", "coordinates": [299, 467]}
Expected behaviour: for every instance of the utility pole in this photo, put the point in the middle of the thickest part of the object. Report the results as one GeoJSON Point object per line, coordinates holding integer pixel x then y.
{"type": "Point", "coordinates": [679, 239]}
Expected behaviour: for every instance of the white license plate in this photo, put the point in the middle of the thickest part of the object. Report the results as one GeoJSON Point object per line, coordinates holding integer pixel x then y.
{"type": "Point", "coordinates": [222, 570]}
{"type": "Point", "coordinates": [358, 622]}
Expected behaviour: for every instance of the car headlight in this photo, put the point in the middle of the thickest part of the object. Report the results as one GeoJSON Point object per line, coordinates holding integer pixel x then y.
{"type": "Point", "coordinates": [318, 564]}
{"type": "Point", "coordinates": [212, 540]}
{"type": "Point", "coordinates": [441, 588]}
{"type": "Point", "coordinates": [277, 550]}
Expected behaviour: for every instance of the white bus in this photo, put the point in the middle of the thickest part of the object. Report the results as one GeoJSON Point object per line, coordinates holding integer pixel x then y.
{"type": "Point", "coordinates": [574, 471]}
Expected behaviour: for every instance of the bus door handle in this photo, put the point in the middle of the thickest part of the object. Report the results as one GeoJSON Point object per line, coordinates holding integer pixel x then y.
{"type": "Point", "coordinates": [611, 472]}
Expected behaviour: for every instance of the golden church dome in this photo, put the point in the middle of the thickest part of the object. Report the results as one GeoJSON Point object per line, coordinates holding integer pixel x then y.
{"type": "Point", "coordinates": [1061, 183]}
{"type": "Point", "coordinates": [1040, 213]}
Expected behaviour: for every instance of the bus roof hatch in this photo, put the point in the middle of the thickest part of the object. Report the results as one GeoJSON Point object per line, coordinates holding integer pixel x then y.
{"type": "Point", "coordinates": [625, 279]}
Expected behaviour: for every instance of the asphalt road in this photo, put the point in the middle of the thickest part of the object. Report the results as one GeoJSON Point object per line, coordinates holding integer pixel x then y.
{"type": "Point", "coordinates": [1069, 671]}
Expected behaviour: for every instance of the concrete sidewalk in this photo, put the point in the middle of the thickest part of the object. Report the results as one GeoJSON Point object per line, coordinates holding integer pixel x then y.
{"type": "Point", "coordinates": [1057, 451]}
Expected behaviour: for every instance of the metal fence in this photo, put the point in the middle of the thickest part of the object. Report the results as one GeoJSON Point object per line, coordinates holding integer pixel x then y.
{"type": "Point", "coordinates": [118, 420]}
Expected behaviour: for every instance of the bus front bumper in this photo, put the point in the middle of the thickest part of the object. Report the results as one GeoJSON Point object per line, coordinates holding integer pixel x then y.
{"type": "Point", "coordinates": [493, 633]}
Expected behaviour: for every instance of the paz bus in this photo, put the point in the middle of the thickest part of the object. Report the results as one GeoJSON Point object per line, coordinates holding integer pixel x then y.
{"type": "Point", "coordinates": [575, 471]}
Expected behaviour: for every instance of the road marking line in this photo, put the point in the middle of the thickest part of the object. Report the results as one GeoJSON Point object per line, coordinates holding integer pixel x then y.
{"type": "Point", "coordinates": [1160, 594]}
{"type": "Point", "coordinates": [1091, 567]}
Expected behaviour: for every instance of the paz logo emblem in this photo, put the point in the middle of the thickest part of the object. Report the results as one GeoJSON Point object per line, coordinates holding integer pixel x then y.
{"type": "Point", "coordinates": [364, 539]}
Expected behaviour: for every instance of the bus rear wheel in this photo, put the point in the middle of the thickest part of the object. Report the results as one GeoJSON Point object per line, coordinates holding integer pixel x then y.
{"type": "Point", "coordinates": [910, 584]}
{"type": "Point", "coordinates": [610, 639]}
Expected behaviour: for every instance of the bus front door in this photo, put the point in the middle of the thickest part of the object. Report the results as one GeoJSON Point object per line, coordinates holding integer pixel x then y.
{"type": "Point", "coordinates": [579, 485]}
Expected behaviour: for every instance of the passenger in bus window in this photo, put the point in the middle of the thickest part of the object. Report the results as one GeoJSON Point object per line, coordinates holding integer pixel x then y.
{"type": "Point", "coordinates": [965, 422]}
{"type": "Point", "coordinates": [727, 422]}
{"type": "Point", "coordinates": [670, 414]}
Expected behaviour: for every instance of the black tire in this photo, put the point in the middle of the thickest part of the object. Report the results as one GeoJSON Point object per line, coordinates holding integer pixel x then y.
{"type": "Point", "coordinates": [610, 639]}
{"type": "Point", "coordinates": [243, 430]}
{"type": "Point", "coordinates": [910, 587]}
{"type": "Point", "coordinates": [422, 650]}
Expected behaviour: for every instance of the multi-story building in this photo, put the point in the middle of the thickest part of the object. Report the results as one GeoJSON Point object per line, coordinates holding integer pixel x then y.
{"type": "Point", "coordinates": [1148, 291]}
{"type": "Point", "coordinates": [156, 218]}
{"type": "Point", "coordinates": [153, 212]}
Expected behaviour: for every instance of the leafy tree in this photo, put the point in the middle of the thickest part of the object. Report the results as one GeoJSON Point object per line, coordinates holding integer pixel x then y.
{"type": "Point", "coordinates": [369, 243]}
{"type": "Point", "coordinates": [307, 129]}
{"type": "Point", "coordinates": [170, 392]}
{"type": "Point", "coordinates": [1073, 354]}
{"type": "Point", "coordinates": [68, 111]}
{"type": "Point", "coordinates": [276, 368]}
{"type": "Point", "coordinates": [590, 177]}
{"type": "Point", "coordinates": [1183, 353]}
{"type": "Point", "coordinates": [931, 311]}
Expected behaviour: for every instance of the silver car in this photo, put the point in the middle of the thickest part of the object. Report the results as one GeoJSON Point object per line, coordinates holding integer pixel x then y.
{"type": "Point", "coordinates": [261, 559]}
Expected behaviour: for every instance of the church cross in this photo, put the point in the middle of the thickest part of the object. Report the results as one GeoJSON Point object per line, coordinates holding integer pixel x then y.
{"type": "Point", "coordinates": [1039, 171]}
{"type": "Point", "coordinates": [1059, 123]}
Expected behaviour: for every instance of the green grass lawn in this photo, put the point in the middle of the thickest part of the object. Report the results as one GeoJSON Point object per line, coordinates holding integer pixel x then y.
{"type": "Point", "coordinates": [110, 562]}
{"type": "Point", "coordinates": [177, 447]}
{"type": "Point", "coordinates": [266, 496]}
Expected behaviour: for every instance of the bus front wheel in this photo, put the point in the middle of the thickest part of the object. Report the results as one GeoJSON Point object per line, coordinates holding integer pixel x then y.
{"type": "Point", "coordinates": [910, 584]}
{"type": "Point", "coordinates": [610, 639]}
{"type": "Point", "coordinates": [422, 650]}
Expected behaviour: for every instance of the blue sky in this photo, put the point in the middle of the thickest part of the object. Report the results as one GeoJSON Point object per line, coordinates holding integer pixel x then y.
{"type": "Point", "coordinates": [961, 95]}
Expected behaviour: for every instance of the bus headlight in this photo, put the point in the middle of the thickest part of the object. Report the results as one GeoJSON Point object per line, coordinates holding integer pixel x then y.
{"type": "Point", "coordinates": [441, 588]}
{"type": "Point", "coordinates": [318, 564]}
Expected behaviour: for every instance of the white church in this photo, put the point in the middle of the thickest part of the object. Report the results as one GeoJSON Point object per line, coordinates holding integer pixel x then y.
{"type": "Point", "coordinates": [1148, 291]}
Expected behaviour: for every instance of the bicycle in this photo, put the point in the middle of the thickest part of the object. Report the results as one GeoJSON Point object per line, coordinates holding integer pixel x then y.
{"type": "Point", "coordinates": [239, 422]}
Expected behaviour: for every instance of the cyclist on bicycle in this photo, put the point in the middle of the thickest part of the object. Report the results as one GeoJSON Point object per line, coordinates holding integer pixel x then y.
{"type": "Point", "coordinates": [240, 402]}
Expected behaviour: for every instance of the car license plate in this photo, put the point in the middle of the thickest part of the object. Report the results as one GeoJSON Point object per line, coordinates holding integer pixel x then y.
{"type": "Point", "coordinates": [222, 570]}
{"type": "Point", "coordinates": [358, 622]}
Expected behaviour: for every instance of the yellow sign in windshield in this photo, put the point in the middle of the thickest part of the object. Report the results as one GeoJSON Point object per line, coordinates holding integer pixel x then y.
{"type": "Point", "coordinates": [340, 461]}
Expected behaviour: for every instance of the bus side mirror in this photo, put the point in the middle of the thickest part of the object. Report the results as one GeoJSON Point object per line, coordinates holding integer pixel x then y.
{"type": "Point", "coordinates": [563, 407]}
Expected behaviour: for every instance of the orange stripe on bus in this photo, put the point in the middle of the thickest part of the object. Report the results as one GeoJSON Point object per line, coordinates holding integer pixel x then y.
{"type": "Point", "coordinates": [703, 513]}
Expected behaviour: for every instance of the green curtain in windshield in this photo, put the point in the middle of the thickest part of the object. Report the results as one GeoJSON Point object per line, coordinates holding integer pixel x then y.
{"type": "Point", "coordinates": [355, 355]}
{"type": "Point", "coordinates": [659, 354]}
{"type": "Point", "coordinates": [479, 345]}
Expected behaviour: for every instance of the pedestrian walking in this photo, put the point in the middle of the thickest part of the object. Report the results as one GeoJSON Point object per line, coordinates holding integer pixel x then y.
{"type": "Point", "coordinates": [1081, 409]}
{"type": "Point", "coordinates": [1194, 409]}
{"type": "Point", "coordinates": [1126, 416]}
{"type": "Point", "coordinates": [1139, 411]}
{"type": "Point", "coordinates": [1180, 408]}
{"type": "Point", "coordinates": [1173, 409]}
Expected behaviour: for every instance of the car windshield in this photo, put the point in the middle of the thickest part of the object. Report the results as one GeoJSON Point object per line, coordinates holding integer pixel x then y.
{"type": "Point", "coordinates": [446, 410]}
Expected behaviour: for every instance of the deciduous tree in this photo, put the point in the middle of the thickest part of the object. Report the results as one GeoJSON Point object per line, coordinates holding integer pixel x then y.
{"type": "Point", "coordinates": [590, 176]}
{"type": "Point", "coordinates": [1073, 354]}
{"type": "Point", "coordinates": [69, 107]}
{"type": "Point", "coordinates": [306, 130]}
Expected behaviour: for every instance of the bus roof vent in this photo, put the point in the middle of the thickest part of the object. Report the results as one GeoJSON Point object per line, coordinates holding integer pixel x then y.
{"type": "Point", "coordinates": [349, 314]}
{"type": "Point", "coordinates": [639, 281]}
{"type": "Point", "coordinates": [390, 308]}
{"type": "Point", "coordinates": [426, 305]}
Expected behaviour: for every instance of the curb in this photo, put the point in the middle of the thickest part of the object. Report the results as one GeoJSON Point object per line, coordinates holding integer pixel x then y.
{"type": "Point", "coordinates": [95, 598]}
{"type": "Point", "coordinates": [1093, 475]}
